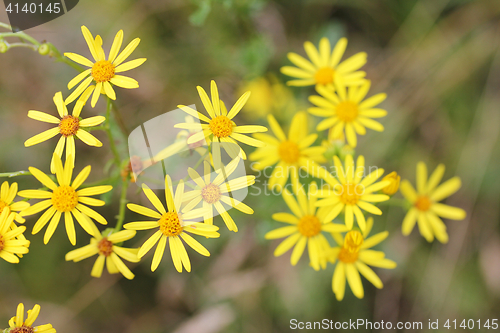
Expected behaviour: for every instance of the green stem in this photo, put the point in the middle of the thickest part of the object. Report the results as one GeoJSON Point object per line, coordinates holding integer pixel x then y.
{"type": "Point", "coordinates": [123, 204]}
{"type": "Point", "coordinates": [21, 35]}
{"type": "Point", "coordinates": [119, 120]}
{"type": "Point", "coordinates": [33, 47]}
{"type": "Point", "coordinates": [110, 135]}
{"type": "Point", "coordinates": [15, 174]}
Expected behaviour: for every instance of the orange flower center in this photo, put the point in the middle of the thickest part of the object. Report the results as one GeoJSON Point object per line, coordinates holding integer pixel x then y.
{"type": "Point", "coordinates": [69, 125]}
{"type": "Point", "coordinates": [103, 71]}
{"type": "Point", "coordinates": [64, 198]}
{"type": "Point", "coordinates": [324, 75]}
{"type": "Point", "coordinates": [2, 243]}
{"type": "Point", "coordinates": [309, 226]}
{"type": "Point", "coordinates": [170, 224]}
{"type": "Point", "coordinates": [423, 203]}
{"type": "Point", "coordinates": [347, 111]}
{"type": "Point", "coordinates": [2, 206]}
{"type": "Point", "coordinates": [289, 152]}
{"type": "Point", "coordinates": [23, 329]}
{"type": "Point", "coordinates": [211, 193]}
{"type": "Point", "coordinates": [221, 126]}
{"type": "Point", "coordinates": [351, 193]}
{"type": "Point", "coordinates": [352, 243]}
{"type": "Point", "coordinates": [105, 247]}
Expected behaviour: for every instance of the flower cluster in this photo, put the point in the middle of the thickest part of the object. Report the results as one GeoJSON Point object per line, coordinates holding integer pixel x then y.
{"type": "Point", "coordinates": [341, 207]}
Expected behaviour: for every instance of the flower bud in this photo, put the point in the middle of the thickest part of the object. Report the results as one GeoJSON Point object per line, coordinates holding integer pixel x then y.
{"type": "Point", "coordinates": [393, 187]}
{"type": "Point", "coordinates": [44, 49]}
{"type": "Point", "coordinates": [4, 47]}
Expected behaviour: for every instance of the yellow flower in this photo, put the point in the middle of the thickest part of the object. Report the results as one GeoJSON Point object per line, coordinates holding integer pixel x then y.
{"type": "Point", "coordinates": [181, 144]}
{"type": "Point", "coordinates": [7, 196]}
{"type": "Point", "coordinates": [393, 187]}
{"type": "Point", "coordinates": [425, 207]}
{"type": "Point", "coordinates": [351, 192]}
{"type": "Point", "coordinates": [307, 223]}
{"type": "Point", "coordinates": [10, 244]}
{"type": "Point", "coordinates": [104, 71]}
{"type": "Point", "coordinates": [68, 127]}
{"type": "Point", "coordinates": [220, 126]}
{"type": "Point", "coordinates": [269, 96]}
{"type": "Point", "coordinates": [66, 199]}
{"type": "Point", "coordinates": [172, 226]}
{"type": "Point", "coordinates": [292, 153]}
{"type": "Point", "coordinates": [18, 325]}
{"type": "Point", "coordinates": [325, 67]}
{"type": "Point", "coordinates": [109, 253]}
{"type": "Point", "coordinates": [214, 192]}
{"type": "Point", "coordinates": [345, 109]}
{"type": "Point", "coordinates": [354, 256]}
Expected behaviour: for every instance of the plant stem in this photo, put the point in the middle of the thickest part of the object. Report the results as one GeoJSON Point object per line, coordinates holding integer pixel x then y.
{"type": "Point", "coordinates": [119, 120]}
{"type": "Point", "coordinates": [123, 203]}
{"type": "Point", "coordinates": [15, 174]}
{"type": "Point", "coordinates": [107, 128]}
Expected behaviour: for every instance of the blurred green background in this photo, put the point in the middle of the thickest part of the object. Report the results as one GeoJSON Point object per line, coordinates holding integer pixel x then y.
{"type": "Point", "coordinates": [439, 64]}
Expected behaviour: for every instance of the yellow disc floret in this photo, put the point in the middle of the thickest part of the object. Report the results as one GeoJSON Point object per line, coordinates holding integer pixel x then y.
{"type": "Point", "coordinates": [103, 71]}
{"type": "Point", "coordinates": [309, 226]}
{"type": "Point", "coordinates": [352, 243]}
{"type": "Point", "coordinates": [64, 198]}
{"type": "Point", "coordinates": [2, 206]}
{"type": "Point", "coordinates": [2, 243]}
{"type": "Point", "coordinates": [351, 193]}
{"type": "Point", "coordinates": [324, 75]}
{"type": "Point", "coordinates": [347, 111]}
{"type": "Point", "coordinates": [105, 247]}
{"type": "Point", "coordinates": [221, 126]}
{"type": "Point", "coordinates": [423, 203]}
{"type": "Point", "coordinates": [23, 329]}
{"type": "Point", "coordinates": [289, 152]}
{"type": "Point", "coordinates": [69, 125]}
{"type": "Point", "coordinates": [211, 193]}
{"type": "Point", "coordinates": [170, 224]}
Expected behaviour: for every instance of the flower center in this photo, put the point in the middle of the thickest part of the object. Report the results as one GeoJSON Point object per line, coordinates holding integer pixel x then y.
{"type": "Point", "coordinates": [347, 111]}
{"type": "Point", "coordinates": [211, 193]}
{"type": "Point", "coordinates": [324, 75]}
{"type": "Point", "coordinates": [309, 226]}
{"type": "Point", "coordinates": [23, 329]}
{"type": "Point", "coordinates": [351, 193]}
{"type": "Point", "coordinates": [2, 206]}
{"type": "Point", "coordinates": [170, 224]}
{"type": "Point", "coordinates": [352, 243]}
{"type": "Point", "coordinates": [105, 247]}
{"type": "Point", "coordinates": [64, 198]}
{"type": "Point", "coordinates": [289, 152]}
{"type": "Point", "coordinates": [69, 125]}
{"type": "Point", "coordinates": [103, 71]}
{"type": "Point", "coordinates": [221, 126]}
{"type": "Point", "coordinates": [2, 243]}
{"type": "Point", "coordinates": [423, 203]}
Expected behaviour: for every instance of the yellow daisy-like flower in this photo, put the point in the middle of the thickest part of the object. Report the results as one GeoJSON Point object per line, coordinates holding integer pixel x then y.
{"type": "Point", "coordinates": [325, 67]}
{"type": "Point", "coordinates": [345, 109]}
{"type": "Point", "coordinates": [19, 325]}
{"type": "Point", "coordinates": [109, 253]}
{"type": "Point", "coordinates": [350, 192]}
{"type": "Point", "coordinates": [172, 226]}
{"type": "Point", "coordinates": [292, 153]}
{"type": "Point", "coordinates": [354, 256]}
{"type": "Point", "coordinates": [64, 199]}
{"type": "Point", "coordinates": [104, 71]}
{"type": "Point", "coordinates": [69, 127]}
{"type": "Point", "coordinates": [214, 192]}
{"type": "Point", "coordinates": [220, 126]}
{"type": "Point", "coordinates": [7, 196]}
{"type": "Point", "coordinates": [307, 223]}
{"type": "Point", "coordinates": [10, 242]}
{"type": "Point", "coordinates": [426, 208]}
